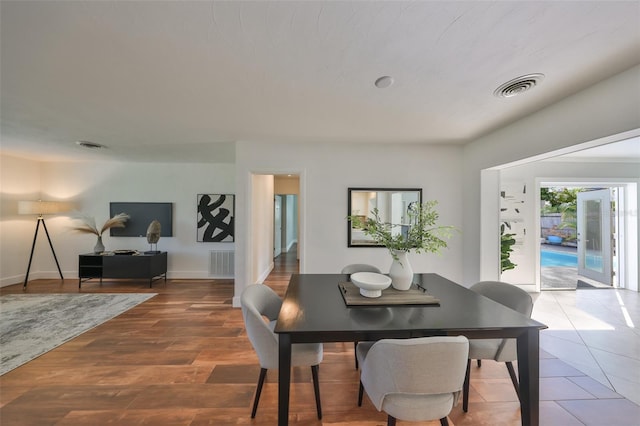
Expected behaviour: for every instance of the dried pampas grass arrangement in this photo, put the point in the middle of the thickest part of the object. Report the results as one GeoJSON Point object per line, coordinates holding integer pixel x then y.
{"type": "Point", "coordinates": [88, 225]}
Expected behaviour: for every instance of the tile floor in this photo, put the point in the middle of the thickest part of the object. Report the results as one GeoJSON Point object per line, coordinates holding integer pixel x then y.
{"type": "Point", "coordinates": [590, 357]}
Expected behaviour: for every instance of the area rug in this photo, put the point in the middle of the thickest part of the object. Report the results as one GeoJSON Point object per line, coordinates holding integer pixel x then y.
{"type": "Point", "coordinates": [33, 324]}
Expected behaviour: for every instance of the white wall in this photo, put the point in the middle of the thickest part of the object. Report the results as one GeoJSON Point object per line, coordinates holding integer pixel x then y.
{"type": "Point", "coordinates": [91, 186]}
{"type": "Point", "coordinates": [326, 172]}
{"type": "Point", "coordinates": [291, 220]}
{"type": "Point", "coordinates": [286, 185]}
{"type": "Point", "coordinates": [261, 225]}
{"type": "Point", "coordinates": [20, 180]}
{"type": "Point", "coordinates": [607, 108]}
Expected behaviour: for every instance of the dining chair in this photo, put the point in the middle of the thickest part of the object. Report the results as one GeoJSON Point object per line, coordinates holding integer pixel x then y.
{"type": "Point", "coordinates": [501, 350]}
{"type": "Point", "coordinates": [359, 267]}
{"type": "Point", "coordinates": [417, 379]}
{"type": "Point", "coordinates": [352, 269]}
{"type": "Point", "coordinates": [260, 308]}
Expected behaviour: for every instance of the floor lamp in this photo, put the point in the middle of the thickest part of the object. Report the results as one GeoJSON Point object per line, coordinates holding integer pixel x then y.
{"type": "Point", "coordinates": [41, 208]}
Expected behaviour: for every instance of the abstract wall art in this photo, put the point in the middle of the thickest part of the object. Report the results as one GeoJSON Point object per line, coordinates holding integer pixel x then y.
{"type": "Point", "coordinates": [216, 218]}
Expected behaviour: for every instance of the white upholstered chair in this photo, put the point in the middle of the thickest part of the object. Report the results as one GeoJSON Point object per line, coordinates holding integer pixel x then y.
{"type": "Point", "coordinates": [260, 309]}
{"type": "Point", "coordinates": [501, 350]}
{"type": "Point", "coordinates": [359, 267]}
{"type": "Point", "coordinates": [415, 379]}
{"type": "Point", "coordinates": [352, 269]}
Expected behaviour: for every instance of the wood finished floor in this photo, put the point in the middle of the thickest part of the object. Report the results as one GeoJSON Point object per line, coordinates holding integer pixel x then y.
{"type": "Point", "coordinates": [183, 358]}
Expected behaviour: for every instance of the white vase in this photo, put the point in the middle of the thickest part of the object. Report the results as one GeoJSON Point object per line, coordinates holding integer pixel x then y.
{"type": "Point", "coordinates": [401, 272]}
{"type": "Point", "coordinates": [99, 247]}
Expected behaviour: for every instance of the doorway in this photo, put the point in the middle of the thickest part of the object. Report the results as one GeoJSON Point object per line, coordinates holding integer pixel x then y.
{"type": "Point", "coordinates": [286, 217]}
{"type": "Point", "coordinates": [285, 223]}
{"type": "Point", "coordinates": [580, 235]}
{"type": "Point", "coordinates": [277, 225]}
{"type": "Point", "coordinates": [260, 231]}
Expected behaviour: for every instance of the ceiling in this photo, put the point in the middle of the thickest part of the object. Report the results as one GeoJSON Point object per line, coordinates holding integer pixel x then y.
{"type": "Point", "coordinates": [627, 150]}
{"type": "Point", "coordinates": [184, 80]}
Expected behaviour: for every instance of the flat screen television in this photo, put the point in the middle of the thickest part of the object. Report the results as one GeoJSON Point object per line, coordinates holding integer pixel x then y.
{"type": "Point", "coordinates": [141, 215]}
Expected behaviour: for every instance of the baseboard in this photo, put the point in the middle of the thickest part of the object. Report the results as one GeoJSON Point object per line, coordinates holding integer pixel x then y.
{"type": "Point", "coordinates": [5, 282]}
{"type": "Point", "coordinates": [41, 275]}
{"type": "Point", "coordinates": [73, 275]}
{"type": "Point", "coordinates": [529, 288]}
{"type": "Point", "coordinates": [265, 274]}
{"type": "Point", "coordinates": [235, 302]}
{"type": "Point", "coordinates": [291, 244]}
{"type": "Point", "coordinates": [194, 275]}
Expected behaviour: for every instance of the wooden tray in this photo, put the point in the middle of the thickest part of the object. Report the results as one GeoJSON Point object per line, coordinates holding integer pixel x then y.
{"type": "Point", "coordinates": [390, 296]}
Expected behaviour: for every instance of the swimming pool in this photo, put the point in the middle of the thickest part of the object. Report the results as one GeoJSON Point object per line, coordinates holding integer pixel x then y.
{"type": "Point", "coordinates": [557, 258]}
{"type": "Point", "coordinates": [553, 258]}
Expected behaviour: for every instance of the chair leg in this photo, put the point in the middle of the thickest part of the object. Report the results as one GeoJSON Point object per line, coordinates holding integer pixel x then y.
{"type": "Point", "coordinates": [391, 421]}
{"type": "Point", "coordinates": [360, 393]}
{"type": "Point", "coordinates": [444, 422]}
{"type": "Point", "coordinates": [514, 378]}
{"type": "Point", "coordinates": [465, 388]}
{"type": "Point", "coordinates": [355, 355]}
{"type": "Point", "coordinates": [263, 374]}
{"type": "Point", "coordinates": [479, 361]}
{"type": "Point", "coordinates": [316, 388]}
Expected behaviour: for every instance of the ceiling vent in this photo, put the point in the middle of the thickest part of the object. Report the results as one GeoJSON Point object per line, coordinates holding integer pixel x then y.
{"type": "Point", "coordinates": [518, 85]}
{"type": "Point", "coordinates": [89, 145]}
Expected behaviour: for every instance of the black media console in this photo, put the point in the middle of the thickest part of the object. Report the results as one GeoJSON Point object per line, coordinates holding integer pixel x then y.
{"type": "Point", "coordinates": [142, 265]}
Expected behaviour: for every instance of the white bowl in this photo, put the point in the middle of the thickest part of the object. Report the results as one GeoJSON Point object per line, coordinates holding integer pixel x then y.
{"type": "Point", "coordinates": [370, 284]}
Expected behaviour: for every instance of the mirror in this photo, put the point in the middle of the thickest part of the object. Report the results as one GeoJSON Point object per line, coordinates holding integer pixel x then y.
{"type": "Point", "coordinates": [392, 205]}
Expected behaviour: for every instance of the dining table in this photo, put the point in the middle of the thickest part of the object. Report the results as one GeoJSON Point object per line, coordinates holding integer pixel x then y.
{"type": "Point", "coordinates": [315, 310]}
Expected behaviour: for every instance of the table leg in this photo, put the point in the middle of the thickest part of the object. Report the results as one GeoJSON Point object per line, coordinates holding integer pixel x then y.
{"type": "Point", "coordinates": [529, 376]}
{"type": "Point", "coordinates": [284, 378]}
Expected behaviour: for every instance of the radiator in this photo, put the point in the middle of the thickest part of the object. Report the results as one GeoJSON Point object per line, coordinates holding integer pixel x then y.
{"type": "Point", "coordinates": [221, 263]}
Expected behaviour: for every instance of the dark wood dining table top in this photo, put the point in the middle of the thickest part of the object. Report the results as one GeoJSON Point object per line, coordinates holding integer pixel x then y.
{"type": "Point", "coordinates": [314, 310]}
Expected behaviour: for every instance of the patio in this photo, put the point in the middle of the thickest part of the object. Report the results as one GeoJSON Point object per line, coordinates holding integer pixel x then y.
{"type": "Point", "coordinates": [564, 277]}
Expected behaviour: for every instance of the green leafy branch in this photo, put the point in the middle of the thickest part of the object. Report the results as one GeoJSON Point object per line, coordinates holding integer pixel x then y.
{"type": "Point", "coordinates": [420, 235]}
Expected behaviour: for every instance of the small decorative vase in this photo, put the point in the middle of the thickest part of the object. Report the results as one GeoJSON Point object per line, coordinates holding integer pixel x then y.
{"type": "Point", "coordinates": [99, 247]}
{"type": "Point", "coordinates": [401, 272]}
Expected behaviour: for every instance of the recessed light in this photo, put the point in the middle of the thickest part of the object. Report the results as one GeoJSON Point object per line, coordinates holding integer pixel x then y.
{"type": "Point", "coordinates": [518, 85]}
{"type": "Point", "coordinates": [90, 145]}
{"type": "Point", "coordinates": [384, 82]}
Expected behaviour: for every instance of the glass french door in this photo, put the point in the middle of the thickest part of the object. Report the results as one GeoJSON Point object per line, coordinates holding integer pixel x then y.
{"type": "Point", "coordinates": [595, 252]}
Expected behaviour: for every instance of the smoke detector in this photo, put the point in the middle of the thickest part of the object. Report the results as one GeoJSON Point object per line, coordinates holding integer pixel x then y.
{"type": "Point", "coordinates": [518, 85]}
{"type": "Point", "coordinates": [384, 82]}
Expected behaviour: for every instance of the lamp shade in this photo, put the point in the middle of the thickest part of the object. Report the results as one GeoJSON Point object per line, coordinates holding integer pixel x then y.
{"type": "Point", "coordinates": [42, 207]}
